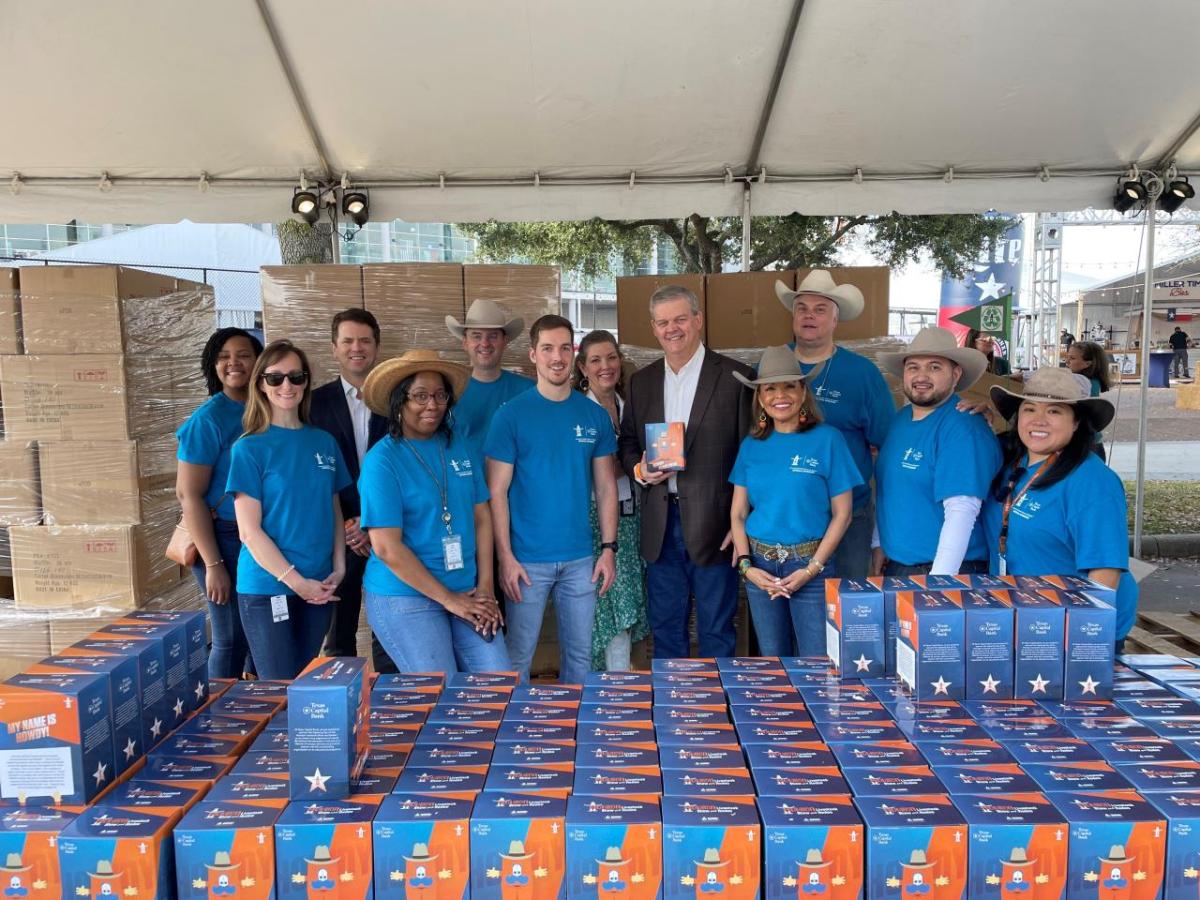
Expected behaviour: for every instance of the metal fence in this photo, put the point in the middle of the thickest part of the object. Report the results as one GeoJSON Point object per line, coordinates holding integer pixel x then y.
{"type": "Point", "coordinates": [237, 291]}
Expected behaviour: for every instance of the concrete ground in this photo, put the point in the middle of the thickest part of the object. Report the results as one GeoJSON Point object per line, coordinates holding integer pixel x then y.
{"type": "Point", "coordinates": [1173, 587]}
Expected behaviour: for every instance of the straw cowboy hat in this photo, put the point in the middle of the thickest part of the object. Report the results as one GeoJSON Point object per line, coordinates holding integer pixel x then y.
{"type": "Point", "coordinates": [13, 863]}
{"type": "Point", "coordinates": [1050, 384]}
{"type": "Point", "coordinates": [777, 364]}
{"type": "Point", "coordinates": [485, 314]}
{"type": "Point", "coordinates": [377, 391]}
{"type": "Point", "coordinates": [848, 298]}
{"type": "Point", "coordinates": [934, 341]}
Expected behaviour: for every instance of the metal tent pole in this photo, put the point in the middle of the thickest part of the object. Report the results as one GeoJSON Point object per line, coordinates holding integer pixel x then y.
{"type": "Point", "coordinates": [1153, 189]}
{"type": "Point", "coordinates": [746, 227]}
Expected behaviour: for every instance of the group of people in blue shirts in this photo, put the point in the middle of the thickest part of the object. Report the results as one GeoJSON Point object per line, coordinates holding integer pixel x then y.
{"type": "Point", "coordinates": [489, 494]}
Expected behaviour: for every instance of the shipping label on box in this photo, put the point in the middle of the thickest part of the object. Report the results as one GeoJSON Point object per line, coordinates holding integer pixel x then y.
{"type": "Point", "coordinates": [894, 781]}
{"type": "Point", "coordinates": [813, 847]}
{"type": "Point", "coordinates": [422, 848]}
{"type": "Point", "coordinates": [56, 745]}
{"type": "Point", "coordinates": [1039, 633]}
{"type": "Point", "coordinates": [984, 752]}
{"type": "Point", "coordinates": [799, 781]}
{"type": "Point", "coordinates": [1118, 845]}
{"type": "Point", "coordinates": [707, 782]}
{"type": "Point", "coordinates": [772, 756]}
{"type": "Point", "coordinates": [441, 780]}
{"type": "Point", "coordinates": [624, 781]}
{"type": "Point", "coordinates": [225, 850]}
{"type": "Point", "coordinates": [463, 755]}
{"type": "Point", "coordinates": [988, 650]}
{"type": "Point", "coordinates": [545, 780]}
{"type": "Point", "coordinates": [1093, 775]}
{"type": "Point", "coordinates": [872, 754]}
{"type": "Point", "coordinates": [599, 756]}
{"type": "Point", "coordinates": [855, 636]}
{"type": "Point", "coordinates": [326, 740]}
{"type": "Point", "coordinates": [323, 849]}
{"type": "Point", "coordinates": [112, 852]}
{"type": "Point", "coordinates": [518, 847]}
{"type": "Point", "coordinates": [929, 644]}
{"type": "Point", "coordinates": [915, 846]}
{"type": "Point", "coordinates": [1018, 846]}
{"type": "Point", "coordinates": [997, 778]}
{"type": "Point", "coordinates": [29, 845]}
{"type": "Point", "coordinates": [711, 846]}
{"type": "Point", "coordinates": [614, 848]}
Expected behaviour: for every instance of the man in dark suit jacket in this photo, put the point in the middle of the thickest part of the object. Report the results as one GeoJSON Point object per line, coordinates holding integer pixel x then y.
{"type": "Point", "coordinates": [685, 515]}
{"type": "Point", "coordinates": [338, 408]}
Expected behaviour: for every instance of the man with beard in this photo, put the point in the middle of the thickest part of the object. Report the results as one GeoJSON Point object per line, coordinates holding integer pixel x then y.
{"type": "Point", "coordinates": [485, 333]}
{"type": "Point", "coordinates": [935, 465]}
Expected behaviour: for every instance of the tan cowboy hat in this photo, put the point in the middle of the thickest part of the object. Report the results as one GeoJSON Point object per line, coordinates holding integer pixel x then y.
{"type": "Point", "coordinates": [516, 850]}
{"type": "Point", "coordinates": [1051, 384]}
{"type": "Point", "coordinates": [104, 869]}
{"type": "Point", "coordinates": [918, 860]}
{"type": "Point", "coordinates": [377, 391]}
{"type": "Point", "coordinates": [777, 364]}
{"type": "Point", "coordinates": [813, 858]}
{"type": "Point", "coordinates": [1018, 857]}
{"type": "Point", "coordinates": [420, 853]}
{"type": "Point", "coordinates": [934, 341]}
{"type": "Point", "coordinates": [848, 298]}
{"type": "Point", "coordinates": [1116, 854]}
{"type": "Point", "coordinates": [712, 857]}
{"type": "Point", "coordinates": [321, 855]}
{"type": "Point", "coordinates": [221, 860]}
{"type": "Point", "coordinates": [485, 314]}
{"type": "Point", "coordinates": [612, 857]}
{"type": "Point", "coordinates": [13, 863]}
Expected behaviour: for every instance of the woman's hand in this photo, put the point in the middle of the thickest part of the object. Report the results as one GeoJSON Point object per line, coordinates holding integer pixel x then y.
{"type": "Point", "coordinates": [217, 585]}
{"type": "Point", "coordinates": [769, 583]}
{"type": "Point", "coordinates": [487, 595]}
{"type": "Point", "coordinates": [798, 579]}
{"type": "Point", "coordinates": [311, 591]}
{"type": "Point", "coordinates": [480, 612]}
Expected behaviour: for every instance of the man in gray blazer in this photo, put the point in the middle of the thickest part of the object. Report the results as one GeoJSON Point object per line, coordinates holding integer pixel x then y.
{"type": "Point", "coordinates": [685, 515]}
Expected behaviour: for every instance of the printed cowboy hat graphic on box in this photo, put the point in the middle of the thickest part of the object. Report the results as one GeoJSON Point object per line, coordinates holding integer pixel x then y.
{"type": "Point", "coordinates": [614, 848]}
{"type": "Point", "coordinates": [422, 847]}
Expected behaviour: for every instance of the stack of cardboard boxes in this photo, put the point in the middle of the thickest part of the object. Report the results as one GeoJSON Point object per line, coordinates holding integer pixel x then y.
{"type": "Point", "coordinates": [101, 371]}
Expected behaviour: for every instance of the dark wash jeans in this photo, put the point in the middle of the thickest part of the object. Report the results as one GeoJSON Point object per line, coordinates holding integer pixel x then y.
{"type": "Point", "coordinates": [282, 649]}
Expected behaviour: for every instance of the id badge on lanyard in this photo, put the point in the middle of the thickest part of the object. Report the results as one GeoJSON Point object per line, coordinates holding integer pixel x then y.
{"type": "Point", "coordinates": [452, 552]}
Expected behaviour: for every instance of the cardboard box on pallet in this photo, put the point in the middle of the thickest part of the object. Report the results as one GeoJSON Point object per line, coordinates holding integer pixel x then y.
{"type": "Point", "coordinates": [422, 847]}
{"type": "Point", "coordinates": [518, 847]}
{"type": "Point", "coordinates": [711, 846]}
{"type": "Point", "coordinates": [327, 740]}
{"type": "Point", "coordinates": [10, 311]}
{"type": "Point", "coordinates": [226, 849]}
{"type": "Point", "coordinates": [929, 644]}
{"type": "Point", "coordinates": [1040, 633]}
{"type": "Point", "coordinates": [854, 627]}
{"type": "Point", "coordinates": [20, 503]}
{"type": "Point", "coordinates": [813, 847]}
{"type": "Point", "coordinates": [613, 846]}
{"type": "Point", "coordinates": [1118, 844]}
{"type": "Point", "coordinates": [1017, 845]}
{"type": "Point", "coordinates": [31, 834]}
{"type": "Point", "coordinates": [323, 848]}
{"type": "Point", "coordinates": [113, 852]}
{"type": "Point", "coordinates": [411, 302]}
{"type": "Point", "coordinates": [107, 482]}
{"type": "Point", "coordinates": [526, 291]}
{"type": "Point", "coordinates": [915, 845]}
{"type": "Point", "coordinates": [299, 302]}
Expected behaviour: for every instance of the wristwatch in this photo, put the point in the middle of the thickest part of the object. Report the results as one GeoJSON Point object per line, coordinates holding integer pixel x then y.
{"type": "Point", "coordinates": [609, 545]}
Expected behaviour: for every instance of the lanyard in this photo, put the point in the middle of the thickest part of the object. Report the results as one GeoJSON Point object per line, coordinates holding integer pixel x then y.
{"type": "Point", "coordinates": [1014, 499]}
{"type": "Point", "coordinates": [442, 486]}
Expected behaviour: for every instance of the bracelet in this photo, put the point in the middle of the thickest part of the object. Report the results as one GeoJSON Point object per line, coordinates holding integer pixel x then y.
{"type": "Point", "coordinates": [813, 562]}
{"type": "Point", "coordinates": [286, 572]}
{"type": "Point", "coordinates": [744, 563]}
{"type": "Point", "coordinates": [213, 565]}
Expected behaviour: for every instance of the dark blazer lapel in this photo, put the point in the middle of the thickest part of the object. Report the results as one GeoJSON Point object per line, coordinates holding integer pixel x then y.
{"type": "Point", "coordinates": [710, 374]}
{"type": "Point", "coordinates": [341, 414]}
{"type": "Point", "coordinates": [655, 409]}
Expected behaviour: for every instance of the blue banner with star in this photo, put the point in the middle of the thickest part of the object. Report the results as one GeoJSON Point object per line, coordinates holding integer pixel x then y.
{"type": "Point", "coordinates": [983, 299]}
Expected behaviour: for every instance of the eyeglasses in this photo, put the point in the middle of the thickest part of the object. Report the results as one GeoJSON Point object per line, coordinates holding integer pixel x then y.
{"type": "Point", "coordinates": [421, 398]}
{"type": "Point", "coordinates": [275, 379]}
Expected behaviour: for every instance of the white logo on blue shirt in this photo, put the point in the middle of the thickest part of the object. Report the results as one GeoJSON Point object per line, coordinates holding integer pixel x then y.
{"type": "Point", "coordinates": [912, 458]}
{"type": "Point", "coordinates": [586, 435]}
{"type": "Point", "coordinates": [461, 467]}
{"type": "Point", "coordinates": [807, 465]}
{"type": "Point", "coordinates": [326, 461]}
{"type": "Point", "coordinates": [1025, 508]}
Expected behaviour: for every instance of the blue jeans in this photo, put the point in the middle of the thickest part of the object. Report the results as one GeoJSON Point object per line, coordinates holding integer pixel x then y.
{"type": "Point", "coordinates": [853, 555]}
{"type": "Point", "coordinates": [421, 636]}
{"type": "Point", "coordinates": [570, 583]}
{"type": "Point", "coordinates": [282, 649]}
{"type": "Point", "coordinates": [230, 654]}
{"type": "Point", "coordinates": [969, 567]}
{"type": "Point", "coordinates": [789, 627]}
{"type": "Point", "coordinates": [671, 583]}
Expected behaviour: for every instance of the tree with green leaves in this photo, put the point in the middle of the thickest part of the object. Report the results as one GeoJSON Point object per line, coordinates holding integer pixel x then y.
{"type": "Point", "coordinates": [706, 244]}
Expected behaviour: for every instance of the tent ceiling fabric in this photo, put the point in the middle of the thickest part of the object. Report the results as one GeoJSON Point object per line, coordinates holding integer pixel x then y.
{"type": "Point", "coordinates": [583, 95]}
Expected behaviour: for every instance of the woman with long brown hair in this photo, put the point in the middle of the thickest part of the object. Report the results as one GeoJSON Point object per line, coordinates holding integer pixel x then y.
{"type": "Point", "coordinates": [284, 476]}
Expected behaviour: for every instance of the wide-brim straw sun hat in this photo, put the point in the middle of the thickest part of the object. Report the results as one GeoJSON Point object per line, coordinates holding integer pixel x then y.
{"type": "Point", "coordinates": [849, 299]}
{"type": "Point", "coordinates": [377, 391]}
{"type": "Point", "coordinates": [1051, 384]}
{"type": "Point", "coordinates": [777, 364]}
{"type": "Point", "coordinates": [934, 341]}
{"type": "Point", "coordinates": [485, 313]}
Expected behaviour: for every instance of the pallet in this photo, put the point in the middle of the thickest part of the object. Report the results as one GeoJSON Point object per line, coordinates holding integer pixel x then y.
{"type": "Point", "coordinates": [1177, 634]}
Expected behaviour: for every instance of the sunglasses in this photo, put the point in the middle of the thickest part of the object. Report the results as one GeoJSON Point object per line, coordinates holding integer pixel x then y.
{"type": "Point", "coordinates": [275, 379]}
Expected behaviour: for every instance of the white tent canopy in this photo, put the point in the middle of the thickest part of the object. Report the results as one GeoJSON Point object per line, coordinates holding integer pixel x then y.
{"type": "Point", "coordinates": [544, 109]}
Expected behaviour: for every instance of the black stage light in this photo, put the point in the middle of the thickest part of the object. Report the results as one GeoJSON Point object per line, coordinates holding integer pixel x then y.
{"type": "Point", "coordinates": [1130, 193]}
{"type": "Point", "coordinates": [356, 205]}
{"type": "Point", "coordinates": [306, 205]}
{"type": "Point", "coordinates": [1177, 193]}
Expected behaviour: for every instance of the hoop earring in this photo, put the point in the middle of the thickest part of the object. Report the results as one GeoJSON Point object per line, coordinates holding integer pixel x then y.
{"type": "Point", "coordinates": [584, 384]}
{"type": "Point", "coordinates": [803, 414]}
{"type": "Point", "coordinates": [762, 419]}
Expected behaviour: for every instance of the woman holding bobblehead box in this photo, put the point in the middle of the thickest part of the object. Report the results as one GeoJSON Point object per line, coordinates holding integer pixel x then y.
{"type": "Point", "coordinates": [792, 501]}
{"type": "Point", "coordinates": [428, 584]}
{"type": "Point", "coordinates": [1055, 508]}
{"type": "Point", "coordinates": [284, 476]}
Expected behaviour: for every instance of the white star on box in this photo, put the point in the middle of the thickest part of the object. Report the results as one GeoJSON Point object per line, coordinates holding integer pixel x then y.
{"type": "Point", "coordinates": [1038, 684]}
{"type": "Point", "coordinates": [130, 749]}
{"type": "Point", "coordinates": [99, 774]}
{"type": "Point", "coordinates": [990, 685]}
{"type": "Point", "coordinates": [199, 690]}
{"type": "Point", "coordinates": [1089, 685]}
{"type": "Point", "coordinates": [941, 686]}
{"type": "Point", "coordinates": [178, 708]}
{"type": "Point", "coordinates": [863, 664]}
{"type": "Point", "coordinates": [990, 288]}
{"type": "Point", "coordinates": [316, 781]}
{"type": "Point", "coordinates": [156, 727]}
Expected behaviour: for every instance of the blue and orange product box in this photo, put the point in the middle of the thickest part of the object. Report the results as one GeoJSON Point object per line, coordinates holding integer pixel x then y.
{"type": "Point", "coordinates": [707, 782]}
{"type": "Point", "coordinates": [1083, 709]}
{"type": "Point", "coordinates": [518, 847]}
{"type": "Point", "coordinates": [207, 725]}
{"type": "Point", "coordinates": [625, 781]}
{"type": "Point", "coordinates": [425, 755]}
{"type": "Point", "coordinates": [112, 852]}
{"type": "Point", "coordinates": [1027, 728]}
{"type": "Point", "coordinates": [1181, 871]}
{"type": "Point", "coordinates": [225, 850]}
{"type": "Point", "coordinates": [618, 679]}
{"type": "Point", "coordinates": [1082, 585]}
{"type": "Point", "coordinates": [757, 678]}
{"type": "Point", "coordinates": [988, 644]}
{"type": "Point", "coordinates": [264, 688]}
{"type": "Point", "coordinates": [711, 846]}
{"type": "Point", "coordinates": [614, 848]}
{"type": "Point", "coordinates": [1004, 709]}
{"type": "Point", "coordinates": [202, 746]}
{"type": "Point", "coordinates": [916, 846]}
{"type": "Point", "coordinates": [383, 696]}
{"type": "Point", "coordinates": [323, 849]}
{"type": "Point", "coordinates": [799, 781]}
{"type": "Point", "coordinates": [1091, 633]}
{"type": "Point", "coordinates": [611, 713]}
{"type": "Point", "coordinates": [1092, 775]}
{"type": "Point", "coordinates": [480, 735]}
{"type": "Point", "coordinates": [1154, 778]}
{"type": "Point", "coordinates": [1118, 845]}
{"type": "Point", "coordinates": [172, 641]}
{"type": "Point", "coordinates": [688, 756]}
{"type": "Point", "coordinates": [556, 693]}
{"type": "Point", "coordinates": [1052, 751]}
{"type": "Point", "coordinates": [550, 781]}
{"type": "Point", "coordinates": [601, 693]}
{"type": "Point", "coordinates": [458, 696]}
{"type": "Point", "coordinates": [710, 697]}
{"type": "Point", "coordinates": [872, 754]}
{"type": "Point", "coordinates": [929, 645]}
{"type": "Point", "coordinates": [661, 681]}
{"type": "Point", "coordinates": [29, 839]}
{"type": "Point", "coordinates": [478, 713]}
{"type": "Point", "coordinates": [385, 762]}
{"type": "Point", "coordinates": [431, 681]}
{"type": "Point", "coordinates": [1017, 845]}
{"type": "Point", "coordinates": [255, 790]}
{"type": "Point", "coordinates": [774, 756]}
{"type": "Point", "coordinates": [266, 765]}
{"type": "Point", "coordinates": [845, 711]}
{"type": "Point", "coordinates": [842, 692]}
{"type": "Point", "coordinates": [564, 711]}
{"type": "Point", "coordinates": [195, 625]}
{"type": "Point", "coordinates": [422, 848]}
{"type": "Point", "coordinates": [515, 732]}
{"type": "Point", "coordinates": [743, 663]}
{"type": "Point", "coordinates": [158, 716]}
{"type": "Point", "coordinates": [994, 778]}
{"type": "Point", "coordinates": [1106, 728]}
{"type": "Point", "coordinates": [494, 680]}
{"type": "Point", "coordinates": [463, 780]}
{"type": "Point", "coordinates": [270, 740]}
{"type": "Point", "coordinates": [705, 664]}
{"type": "Point", "coordinates": [124, 697]}
{"type": "Point", "coordinates": [696, 716]}
{"type": "Point", "coordinates": [1160, 708]}
{"type": "Point", "coordinates": [182, 770]}
{"type": "Point", "coordinates": [813, 848]}
{"type": "Point", "coordinates": [1039, 633]}
{"type": "Point", "coordinates": [740, 695]}
{"type": "Point", "coordinates": [722, 733]}
{"type": "Point", "coordinates": [251, 709]}
{"type": "Point", "coordinates": [154, 797]}
{"type": "Point", "coordinates": [786, 713]}
{"type": "Point", "coordinates": [983, 752]}
{"type": "Point", "coordinates": [891, 586]}
{"type": "Point", "coordinates": [922, 731]}
{"type": "Point", "coordinates": [372, 787]}
{"type": "Point", "coordinates": [855, 632]}
{"type": "Point", "coordinates": [906, 710]}
{"type": "Point", "coordinates": [327, 740]}
{"type": "Point", "coordinates": [602, 756]}
{"type": "Point", "coordinates": [1148, 750]}
{"type": "Point", "coordinates": [56, 746]}
{"type": "Point", "coordinates": [894, 781]}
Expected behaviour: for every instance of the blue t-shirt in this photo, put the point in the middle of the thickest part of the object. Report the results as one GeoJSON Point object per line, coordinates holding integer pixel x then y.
{"type": "Point", "coordinates": [294, 474]}
{"type": "Point", "coordinates": [946, 454]}
{"type": "Point", "coordinates": [475, 408]}
{"type": "Point", "coordinates": [551, 445]}
{"type": "Point", "coordinates": [1068, 528]}
{"type": "Point", "coordinates": [856, 401]}
{"type": "Point", "coordinates": [790, 479]}
{"type": "Point", "coordinates": [398, 492]}
{"type": "Point", "coordinates": [205, 439]}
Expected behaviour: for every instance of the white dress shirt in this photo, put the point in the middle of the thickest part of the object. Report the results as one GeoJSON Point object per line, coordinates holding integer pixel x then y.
{"type": "Point", "coordinates": [360, 417]}
{"type": "Point", "coordinates": [679, 392]}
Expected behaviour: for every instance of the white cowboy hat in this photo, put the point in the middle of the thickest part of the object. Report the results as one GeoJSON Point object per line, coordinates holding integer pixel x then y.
{"type": "Point", "coordinates": [1051, 384]}
{"type": "Point", "coordinates": [778, 364]}
{"type": "Point", "coordinates": [848, 298]}
{"type": "Point", "coordinates": [485, 314]}
{"type": "Point", "coordinates": [934, 341]}
{"type": "Point", "coordinates": [377, 390]}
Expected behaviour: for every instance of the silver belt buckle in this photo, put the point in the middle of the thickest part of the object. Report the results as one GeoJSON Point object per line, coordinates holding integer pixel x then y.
{"type": "Point", "coordinates": [781, 553]}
